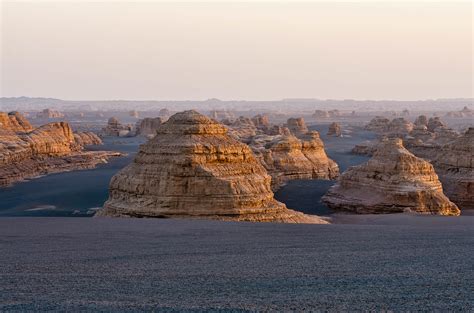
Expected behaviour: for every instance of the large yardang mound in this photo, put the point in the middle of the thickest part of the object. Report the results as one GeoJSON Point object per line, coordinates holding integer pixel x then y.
{"type": "Point", "coordinates": [393, 180]}
{"type": "Point", "coordinates": [454, 164]}
{"type": "Point", "coordinates": [297, 126]}
{"type": "Point", "coordinates": [194, 169]}
{"type": "Point", "coordinates": [14, 122]}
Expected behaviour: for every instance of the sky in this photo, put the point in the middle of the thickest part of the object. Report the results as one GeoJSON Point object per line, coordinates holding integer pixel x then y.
{"type": "Point", "coordinates": [260, 50]}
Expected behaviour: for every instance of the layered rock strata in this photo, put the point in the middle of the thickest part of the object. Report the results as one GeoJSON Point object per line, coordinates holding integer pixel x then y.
{"type": "Point", "coordinates": [194, 169]}
{"type": "Point", "coordinates": [116, 129]}
{"type": "Point", "coordinates": [14, 122]}
{"type": "Point", "coordinates": [392, 181]}
{"type": "Point", "coordinates": [148, 126]}
{"type": "Point", "coordinates": [335, 130]}
{"type": "Point", "coordinates": [297, 126]}
{"type": "Point", "coordinates": [47, 149]}
{"type": "Point", "coordinates": [454, 163]}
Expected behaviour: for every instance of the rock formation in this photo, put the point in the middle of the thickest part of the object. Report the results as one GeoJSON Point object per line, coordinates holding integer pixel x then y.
{"type": "Point", "coordinates": [399, 126]}
{"type": "Point", "coordinates": [454, 163]}
{"type": "Point", "coordinates": [116, 129]}
{"type": "Point", "coordinates": [243, 129]}
{"type": "Point", "coordinates": [378, 124]}
{"type": "Point", "coordinates": [421, 120]}
{"type": "Point", "coordinates": [434, 123]}
{"type": "Point", "coordinates": [133, 113]}
{"type": "Point", "coordinates": [393, 180]}
{"type": "Point", "coordinates": [261, 122]}
{"type": "Point", "coordinates": [335, 130]}
{"type": "Point", "coordinates": [48, 113]}
{"type": "Point", "coordinates": [287, 158]}
{"type": "Point", "coordinates": [194, 169]}
{"type": "Point", "coordinates": [297, 126]}
{"type": "Point", "coordinates": [87, 138]}
{"type": "Point", "coordinates": [47, 149]}
{"type": "Point", "coordinates": [14, 122]}
{"type": "Point", "coordinates": [320, 114]}
{"type": "Point", "coordinates": [148, 126]}
{"type": "Point", "coordinates": [220, 115]}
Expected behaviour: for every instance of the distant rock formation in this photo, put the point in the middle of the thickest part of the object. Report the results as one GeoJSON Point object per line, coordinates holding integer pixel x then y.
{"type": "Point", "coordinates": [392, 181]}
{"type": "Point", "coordinates": [47, 149]}
{"type": "Point", "coordinates": [378, 124]}
{"type": "Point", "coordinates": [148, 126]}
{"type": "Point", "coordinates": [14, 122]}
{"type": "Point", "coordinates": [261, 122]}
{"type": "Point", "coordinates": [454, 163]}
{"type": "Point", "coordinates": [322, 114]}
{"type": "Point", "coordinates": [396, 127]}
{"type": "Point", "coordinates": [465, 112]}
{"type": "Point", "coordinates": [220, 115]}
{"type": "Point", "coordinates": [287, 158]}
{"type": "Point", "coordinates": [194, 169]}
{"type": "Point", "coordinates": [116, 129]}
{"type": "Point", "coordinates": [435, 122]}
{"type": "Point", "coordinates": [421, 120]}
{"type": "Point", "coordinates": [133, 113]}
{"type": "Point", "coordinates": [242, 129]}
{"type": "Point", "coordinates": [164, 113]}
{"type": "Point", "coordinates": [297, 126]}
{"type": "Point", "coordinates": [48, 113]}
{"type": "Point", "coordinates": [335, 130]}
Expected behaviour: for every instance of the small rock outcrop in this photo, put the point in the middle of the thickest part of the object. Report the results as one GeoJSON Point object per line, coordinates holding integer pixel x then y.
{"type": "Point", "coordinates": [194, 169]}
{"type": "Point", "coordinates": [49, 113]}
{"type": "Point", "coordinates": [392, 181]}
{"type": "Point", "coordinates": [87, 138]}
{"type": "Point", "coordinates": [434, 123]}
{"type": "Point", "coordinates": [297, 126]}
{"type": "Point", "coordinates": [335, 130]}
{"type": "Point", "coordinates": [148, 126]}
{"type": "Point", "coordinates": [454, 163]}
{"type": "Point", "coordinates": [220, 115]}
{"type": "Point", "coordinates": [421, 120]}
{"type": "Point", "coordinates": [116, 129]}
{"type": "Point", "coordinates": [14, 122]}
{"type": "Point", "coordinates": [261, 122]}
{"type": "Point", "coordinates": [378, 124]}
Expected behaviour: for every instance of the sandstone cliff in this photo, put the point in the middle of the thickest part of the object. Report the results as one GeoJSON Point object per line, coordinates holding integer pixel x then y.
{"type": "Point", "coordinates": [14, 122]}
{"type": "Point", "coordinates": [335, 130]}
{"type": "Point", "coordinates": [454, 163]}
{"type": "Point", "coordinates": [116, 129]}
{"type": "Point", "coordinates": [148, 126]}
{"type": "Point", "coordinates": [393, 180]}
{"type": "Point", "coordinates": [297, 126]}
{"type": "Point", "coordinates": [194, 169]}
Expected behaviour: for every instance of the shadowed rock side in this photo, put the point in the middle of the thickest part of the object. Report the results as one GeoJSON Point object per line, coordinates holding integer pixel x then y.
{"type": "Point", "coordinates": [392, 181]}
{"type": "Point", "coordinates": [47, 149]}
{"type": "Point", "coordinates": [335, 130]}
{"type": "Point", "coordinates": [194, 169]}
{"type": "Point", "coordinates": [288, 158]}
{"type": "Point", "coordinates": [148, 126]}
{"type": "Point", "coordinates": [454, 164]}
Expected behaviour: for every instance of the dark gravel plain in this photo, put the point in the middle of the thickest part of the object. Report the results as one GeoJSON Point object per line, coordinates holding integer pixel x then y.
{"type": "Point", "coordinates": [399, 263]}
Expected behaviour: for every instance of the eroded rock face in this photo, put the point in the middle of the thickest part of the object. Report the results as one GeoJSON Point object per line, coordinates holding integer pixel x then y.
{"type": "Point", "coordinates": [194, 169]}
{"type": "Point", "coordinates": [261, 122]}
{"type": "Point", "coordinates": [421, 120]}
{"type": "Point", "coordinates": [242, 129]}
{"type": "Point", "coordinates": [297, 126]}
{"type": "Point", "coordinates": [14, 122]}
{"type": "Point", "coordinates": [220, 115]}
{"type": "Point", "coordinates": [87, 138]}
{"type": "Point", "coordinates": [434, 123]}
{"type": "Point", "coordinates": [148, 126]}
{"type": "Point", "coordinates": [392, 181]}
{"type": "Point", "coordinates": [47, 149]}
{"type": "Point", "coordinates": [335, 130]}
{"type": "Point", "coordinates": [399, 126]}
{"type": "Point", "coordinates": [454, 163]}
{"type": "Point", "coordinates": [378, 124]}
{"type": "Point", "coordinates": [288, 157]}
{"type": "Point", "coordinates": [116, 129]}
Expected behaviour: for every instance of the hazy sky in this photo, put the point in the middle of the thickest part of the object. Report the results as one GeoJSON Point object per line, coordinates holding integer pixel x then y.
{"type": "Point", "coordinates": [259, 50]}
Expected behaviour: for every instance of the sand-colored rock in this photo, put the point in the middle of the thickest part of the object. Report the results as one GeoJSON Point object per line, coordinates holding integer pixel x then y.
{"type": "Point", "coordinates": [47, 149]}
{"type": "Point", "coordinates": [454, 163]}
{"type": "Point", "coordinates": [194, 169]}
{"type": "Point", "coordinates": [297, 126]}
{"type": "Point", "coordinates": [261, 122]}
{"type": "Point", "coordinates": [87, 138]}
{"type": "Point", "coordinates": [392, 181]}
{"type": "Point", "coordinates": [378, 124]}
{"type": "Point", "coordinates": [116, 129]}
{"type": "Point", "coordinates": [14, 122]}
{"type": "Point", "coordinates": [335, 130]}
{"type": "Point", "coordinates": [148, 126]}
{"type": "Point", "coordinates": [49, 113]}
{"type": "Point", "coordinates": [435, 122]}
{"type": "Point", "coordinates": [243, 129]}
{"type": "Point", "coordinates": [421, 120]}
{"type": "Point", "coordinates": [288, 157]}
{"type": "Point", "coordinates": [220, 115]}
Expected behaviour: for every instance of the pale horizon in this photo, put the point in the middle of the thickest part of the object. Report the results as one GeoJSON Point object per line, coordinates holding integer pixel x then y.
{"type": "Point", "coordinates": [236, 51]}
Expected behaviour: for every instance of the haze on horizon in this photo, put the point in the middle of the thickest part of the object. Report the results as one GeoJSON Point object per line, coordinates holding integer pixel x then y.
{"type": "Point", "coordinates": [257, 51]}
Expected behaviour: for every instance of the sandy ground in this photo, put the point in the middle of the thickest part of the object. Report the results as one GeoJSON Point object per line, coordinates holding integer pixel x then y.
{"type": "Point", "coordinates": [396, 262]}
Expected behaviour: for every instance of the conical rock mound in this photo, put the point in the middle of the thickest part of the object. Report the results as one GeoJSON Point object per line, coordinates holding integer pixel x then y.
{"type": "Point", "coordinates": [393, 180]}
{"type": "Point", "coordinates": [193, 168]}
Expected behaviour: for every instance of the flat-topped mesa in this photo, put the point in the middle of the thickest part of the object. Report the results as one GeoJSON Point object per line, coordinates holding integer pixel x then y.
{"type": "Point", "coordinates": [392, 181]}
{"type": "Point", "coordinates": [243, 129]}
{"type": "Point", "coordinates": [288, 158]}
{"type": "Point", "coordinates": [14, 122]}
{"type": "Point", "coordinates": [87, 138]}
{"type": "Point", "coordinates": [194, 169]}
{"type": "Point", "coordinates": [335, 130]}
{"type": "Point", "coordinates": [378, 124]}
{"type": "Point", "coordinates": [454, 164]}
{"type": "Point", "coordinates": [49, 113]}
{"type": "Point", "coordinates": [297, 126]}
{"type": "Point", "coordinates": [116, 129]}
{"type": "Point", "coordinates": [261, 122]}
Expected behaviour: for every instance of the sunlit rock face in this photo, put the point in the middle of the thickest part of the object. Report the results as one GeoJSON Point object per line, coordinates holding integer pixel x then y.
{"type": "Point", "coordinates": [261, 122]}
{"type": "Point", "coordinates": [454, 163]}
{"type": "Point", "coordinates": [148, 126]}
{"type": "Point", "coordinates": [335, 130]}
{"type": "Point", "coordinates": [297, 126]}
{"type": "Point", "coordinates": [288, 158]}
{"type": "Point", "coordinates": [14, 122]}
{"type": "Point", "coordinates": [49, 148]}
{"type": "Point", "coordinates": [194, 169]}
{"type": "Point", "coordinates": [392, 181]}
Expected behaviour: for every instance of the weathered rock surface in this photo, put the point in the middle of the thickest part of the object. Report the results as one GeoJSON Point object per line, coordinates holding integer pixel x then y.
{"type": "Point", "coordinates": [288, 157]}
{"type": "Point", "coordinates": [393, 180]}
{"type": "Point", "coordinates": [220, 115]}
{"type": "Point", "coordinates": [454, 163]}
{"type": "Point", "coordinates": [335, 130]}
{"type": "Point", "coordinates": [243, 129]}
{"type": "Point", "coordinates": [14, 122]}
{"type": "Point", "coordinates": [297, 126]}
{"type": "Point", "coordinates": [261, 122]}
{"type": "Point", "coordinates": [47, 149]}
{"type": "Point", "coordinates": [378, 124]}
{"type": "Point", "coordinates": [148, 126]}
{"type": "Point", "coordinates": [194, 169]}
{"type": "Point", "coordinates": [421, 120]}
{"type": "Point", "coordinates": [435, 122]}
